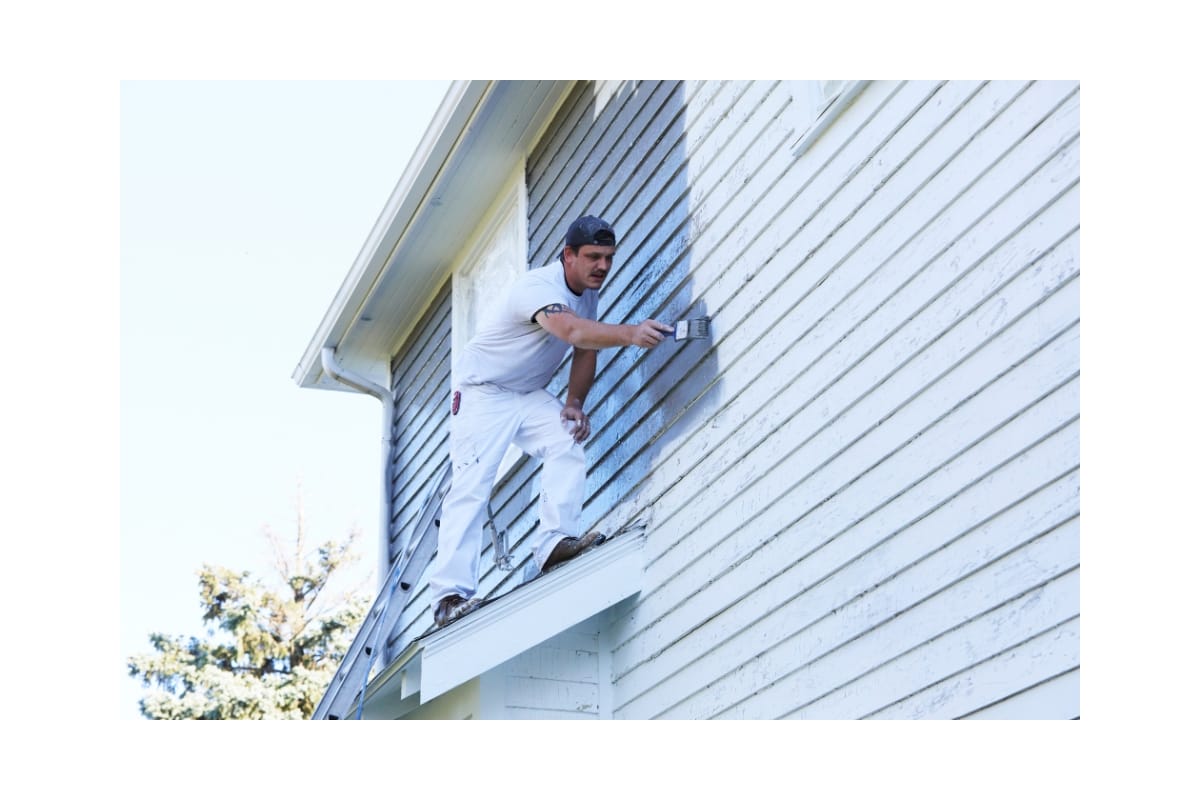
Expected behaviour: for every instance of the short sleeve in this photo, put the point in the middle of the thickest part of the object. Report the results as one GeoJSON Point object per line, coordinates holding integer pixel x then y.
{"type": "Point", "coordinates": [530, 295]}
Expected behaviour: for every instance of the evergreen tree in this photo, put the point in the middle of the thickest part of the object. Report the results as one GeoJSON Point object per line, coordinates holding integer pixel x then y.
{"type": "Point", "coordinates": [269, 653]}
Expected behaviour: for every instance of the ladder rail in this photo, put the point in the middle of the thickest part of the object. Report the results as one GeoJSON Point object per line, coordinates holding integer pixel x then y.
{"type": "Point", "coordinates": [372, 638]}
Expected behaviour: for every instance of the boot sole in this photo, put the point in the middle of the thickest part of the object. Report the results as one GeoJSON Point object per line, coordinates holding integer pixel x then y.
{"type": "Point", "coordinates": [601, 539]}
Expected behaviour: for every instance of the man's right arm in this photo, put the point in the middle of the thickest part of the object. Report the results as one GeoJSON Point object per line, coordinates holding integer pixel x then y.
{"type": "Point", "coordinates": [589, 334]}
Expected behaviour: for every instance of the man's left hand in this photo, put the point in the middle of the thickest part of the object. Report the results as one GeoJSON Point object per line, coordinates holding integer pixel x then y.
{"type": "Point", "coordinates": [583, 426]}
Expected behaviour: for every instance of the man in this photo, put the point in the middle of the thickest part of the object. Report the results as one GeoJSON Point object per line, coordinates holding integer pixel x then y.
{"type": "Point", "coordinates": [501, 399]}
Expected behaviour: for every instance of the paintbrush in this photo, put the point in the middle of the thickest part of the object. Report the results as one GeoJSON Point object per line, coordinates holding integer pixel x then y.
{"type": "Point", "coordinates": [697, 328]}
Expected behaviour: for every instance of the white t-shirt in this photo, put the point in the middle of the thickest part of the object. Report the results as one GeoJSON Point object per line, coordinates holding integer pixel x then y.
{"type": "Point", "coordinates": [512, 351]}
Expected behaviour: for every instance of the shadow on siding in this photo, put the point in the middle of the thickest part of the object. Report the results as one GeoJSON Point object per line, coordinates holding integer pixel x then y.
{"type": "Point", "coordinates": [630, 156]}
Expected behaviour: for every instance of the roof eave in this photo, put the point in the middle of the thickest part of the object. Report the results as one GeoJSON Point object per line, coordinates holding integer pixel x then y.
{"type": "Point", "coordinates": [481, 131]}
{"type": "Point", "coordinates": [401, 209]}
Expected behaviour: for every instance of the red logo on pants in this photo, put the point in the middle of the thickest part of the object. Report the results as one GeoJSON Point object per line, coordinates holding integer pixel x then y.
{"type": "Point", "coordinates": [455, 403]}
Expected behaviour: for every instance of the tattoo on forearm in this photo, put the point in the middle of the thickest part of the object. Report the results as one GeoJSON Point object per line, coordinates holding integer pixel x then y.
{"type": "Point", "coordinates": [553, 308]}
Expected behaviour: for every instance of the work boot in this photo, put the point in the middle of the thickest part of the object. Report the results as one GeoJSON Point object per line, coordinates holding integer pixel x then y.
{"type": "Point", "coordinates": [452, 607]}
{"type": "Point", "coordinates": [570, 547]}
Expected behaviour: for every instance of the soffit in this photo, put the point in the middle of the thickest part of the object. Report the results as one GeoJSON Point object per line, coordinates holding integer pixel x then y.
{"type": "Point", "coordinates": [482, 132]}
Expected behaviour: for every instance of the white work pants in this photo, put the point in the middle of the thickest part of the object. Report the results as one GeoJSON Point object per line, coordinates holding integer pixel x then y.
{"type": "Point", "coordinates": [488, 420]}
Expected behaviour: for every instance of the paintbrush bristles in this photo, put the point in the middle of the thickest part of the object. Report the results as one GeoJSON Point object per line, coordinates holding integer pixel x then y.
{"type": "Point", "coordinates": [697, 328]}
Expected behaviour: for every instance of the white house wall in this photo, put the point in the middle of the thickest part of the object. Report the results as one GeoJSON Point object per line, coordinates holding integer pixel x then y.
{"type": "Point", "coordinates": [558, 679]}
{"type": "Point", "coordinates": [865, 491]}
{"type": "Point", "coordinates": [421, 429]}
{"type": "Point", "coordinates": [420, 443]}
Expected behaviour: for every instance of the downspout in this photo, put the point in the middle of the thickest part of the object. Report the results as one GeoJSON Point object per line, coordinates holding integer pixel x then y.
{"type": "Point", "coordinates": [361, 384]}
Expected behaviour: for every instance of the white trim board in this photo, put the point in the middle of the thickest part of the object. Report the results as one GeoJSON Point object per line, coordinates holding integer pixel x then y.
{"type": "Point", "coordinates": [525, 617]}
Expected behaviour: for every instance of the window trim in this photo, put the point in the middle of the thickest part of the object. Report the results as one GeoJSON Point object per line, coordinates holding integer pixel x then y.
{"type": "Point", "coordinates": [512, 204]}
{"type": "Point", "coordinates": [833, 108]}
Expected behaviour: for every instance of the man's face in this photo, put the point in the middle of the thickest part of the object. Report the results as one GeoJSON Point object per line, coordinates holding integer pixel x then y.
{"type": "Point", "coordinates": [587, 268]}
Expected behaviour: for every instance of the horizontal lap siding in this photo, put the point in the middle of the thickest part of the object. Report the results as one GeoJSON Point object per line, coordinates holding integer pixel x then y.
{"type": "Point", "coordinates": [420, 431]}
{"type": "Point", "coordinates": [590, 161]}
{"type": "Point", "coordinates": [637, 130]}
{"type": "Point", "coordinates": [865, 491]}
{"type": "Point", "coordinates": [555, 680]}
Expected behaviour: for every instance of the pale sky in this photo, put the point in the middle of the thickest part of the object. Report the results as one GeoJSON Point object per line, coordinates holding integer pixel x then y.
{"type": "Point", "coordinates": [243, 206]}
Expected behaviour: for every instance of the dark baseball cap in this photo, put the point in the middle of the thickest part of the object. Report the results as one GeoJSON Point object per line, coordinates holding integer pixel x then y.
{"type": "Point", "coordinates": [590, 230]}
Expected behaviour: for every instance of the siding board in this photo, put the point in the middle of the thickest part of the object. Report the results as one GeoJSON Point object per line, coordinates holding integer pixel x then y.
{"type": "Point", "coordinates": [1045, 661]}
{"type": "Point", "coordinates": [420, 390]}
{"type": "Point", "coordinates": [842, 487]}
{"type": "Point", "coordinates": [761, 312]}
{"type": "Point", "coordinates": [650, 365]}
{"type": "Point", "coordinates": [624, 297]}
{"type": "Point", "coordinates": [643, 121]}
{"type": "Point", "coordinates": [589, 157]}
{"type": "Point", "coordinates": [649, 302]}
{"type": "Point", "coordinates": [1024, 492]}
{"type": "Point", "coordinates": [893, 379]}
{"type": "Point", "coordinates": [1057, 698]}
{"type": "Point", "coordinates": [827, 657]}
{"type": "Point", "coordinates": [816, 605]}
{"type": "Point", "coordinates": [418, 481]}
{"type": "Point", "coordinates": [652, 241]}
{"type": "Point", "coordinates": [427, 439]}
{"type": "Point", "coordinates": [420, 433]}
{"type": "Point", "coordinates": [991, 630]}
{"type": "Point", "coordinates": [416, 408]}
{"type": "Point", "coordinates": [798, 378]}
{"type": "Point", "coordinates": [864, 490]}
{"type": "Point", "coordinates": [810, 425]}
{"type": "Point", "coordinates": [537, 694]}
{"type": "Point", "coordinates": [548, 154]}
{"type": "Point", "coordinates": [1019, 125]}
